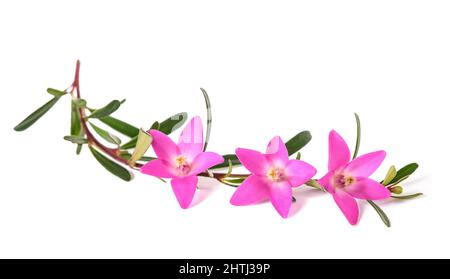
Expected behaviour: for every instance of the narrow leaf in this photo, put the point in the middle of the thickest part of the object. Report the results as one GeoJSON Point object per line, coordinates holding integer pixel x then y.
{"type": "Point", "coordinates": [106, 135]}
{"type": "Point", "coordinates": [381, 213]}
{"type": "Point", "coordinates": [32, 118]}
{"type": "Point", "coordinates": [75, 122]}
{"type": "Point", "coordinates": [106, 110]}
{"type": "Point", "coordinates": [358, 135]}
{"type": "Point", "coordinates": [144, 141]}
{"type": "Point", "coordinates": [155, 126]}
{"type": "Point", "coordinates": [55, 92]}
{"type": "Point", "coordinates": [407, 197]}
{"type": "Point", "coordinates": [111, 166]}
{"type": "Point", "coordinates": [172, 123]}
{"type": "Point", "coordinates": [79, 147]}
{"type": "Point", "coordinates": [120, 126]}
{"type": "Point", "coordinates": [299, 156]}
{"type": "Point", "coordinates": [235, 180]}
{"type": "Point", "coordinates": [127, 156]}
{"type": "Point", "coordinates": [229, 184]}
{"type": "Point", "coordinates": [80, 103]}
{"type": "Point", "coordinates": [131, 144]}
{"type": "Point", "coordinates": [392, 172]}
{"type": "Point", "coordinates": [208, 118]}
{"type": "Point", "coordinates": [404, 172]}
{"type": "Point", "coordinates": [315, 184]}
{"type": "Point", "coordinates": [229, 157]}
{"type": "Point", "coordinates": [298, 142]}
{"type": "Point", "coordinates": [76, 139]}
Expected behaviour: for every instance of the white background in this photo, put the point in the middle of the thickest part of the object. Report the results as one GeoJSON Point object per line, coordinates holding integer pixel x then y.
{"type": "Point", "coordinates": [271, 68]}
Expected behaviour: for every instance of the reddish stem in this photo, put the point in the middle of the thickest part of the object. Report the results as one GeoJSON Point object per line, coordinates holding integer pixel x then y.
{"type": "Point", "coordinates": [112, 152]}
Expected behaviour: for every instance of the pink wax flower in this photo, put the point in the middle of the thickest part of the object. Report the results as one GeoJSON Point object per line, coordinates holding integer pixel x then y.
{"type": "Point", "coordinates": [349, 180]}
{"type": "Point", "coordinates": [273, 176]}
{"type": "Point", "coordinates": [181, 162]}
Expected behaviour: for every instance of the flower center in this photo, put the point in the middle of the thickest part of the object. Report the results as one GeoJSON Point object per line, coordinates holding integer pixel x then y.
{"type": "Point", "coordinates": [275, 174]}
{"type": "Point", "coordinates": [182, 166]}
{"type": "Point", "coordinates": [341, 180]}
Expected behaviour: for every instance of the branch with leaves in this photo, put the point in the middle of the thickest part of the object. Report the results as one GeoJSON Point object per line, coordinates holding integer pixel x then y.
{"type": "Point", "coordinates": [272, 175]}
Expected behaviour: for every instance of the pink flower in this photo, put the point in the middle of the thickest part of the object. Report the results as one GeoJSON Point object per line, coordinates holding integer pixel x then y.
{"type": "Point", "coordinates": [347, 180]}
{"type": "Point", "coordinates": [183, 162]}
{"type": "Point", "coordinates": [273, 176]}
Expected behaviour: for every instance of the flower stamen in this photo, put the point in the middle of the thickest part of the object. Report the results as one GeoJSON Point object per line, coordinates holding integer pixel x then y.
{"type": "Point", "coordinates": [182, 166]}
{"type": "Point", "coordinates": [341, 180]}
{"type": "Point", "coordinates": [275, 174]}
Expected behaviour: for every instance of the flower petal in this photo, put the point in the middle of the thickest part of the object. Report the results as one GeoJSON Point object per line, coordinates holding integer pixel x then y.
{"type": "Point", "coordinates": [299, 172]}
{"type": "Point", "coordinates": [184, 189]}
{"type": "Point", "coordinates": [163, 146]}
{"type": "Point", "coordinates": [276, 151]}
{"type": "Point", "coordinates": [252, 190]}
{"type": "Point", "coordinates": [366, 165]}
{"type": "Point", "coordinates": [253, 160]}
{"type": "Point", "coordinates": [158, 168]}
{"type": "Point", "coordinates": [191, 139]}
{"type": "Point", "coordinates": [327, 183]}
{"type": "Point", "coordinates": [367, 189]}
{"type": "Point", "coordinates": [281, 197]}
{"type": "Point", "coordinates": [204, 161]}
{"type": "Point", "coordinates": [348, 206]}
{"type": "Point", "coordinates": [338, 152]}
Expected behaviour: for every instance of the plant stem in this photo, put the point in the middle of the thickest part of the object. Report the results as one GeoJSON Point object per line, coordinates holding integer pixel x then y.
{"type": "Point", "coordinates": [114, 153]}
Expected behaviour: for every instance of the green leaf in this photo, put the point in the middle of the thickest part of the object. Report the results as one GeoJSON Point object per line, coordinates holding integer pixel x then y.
{"type": "Point", "coordinates": [381, 213]}
{"type": "Point", "coordinates": [76, 139]}
{"type": "Point", "coordinates": [111, 166]}
{"type": "Point", "coordinates": [392, 172]}
{"type": "Point", "coordinates": [208, 118]}
{"type": "Point", "coordinates": [75, 122]}
{"type": "Point", "coordinates": [32, 118]}
{"type": "Point", "coordinates": [299, 156]}
{"type": "Point", "coordinates": [358, 135]}
{"type": "Point", "coordinates": [298, 142]}
{"type": "Point", "coordinates": [80, 103]}
{"type": "Point", "coordinates": [127, 156]}
{"type": "Point", "coordinates": [55, 92]}
{"type": "Point", "coordinates": [120, 126]}
{"type": "Point", "coordinates": [232, 182]}
{"type": "Point", "coordinates": [315, 184]}
{"type": "Point", "coordinates": [407, 197]}
{"type": "Point", "coordinates": [172, 123]}
{"type": "Point", "coordinates": [228, 157]}
{"type": "Point", "coordinates": [155, 126]}
{"type": "Point", "coordinates": [131, 144]}
{"type": "Point", "coordinates": [106, 110]}
{"type": "Point", "coordinates": [106, 135]}
{"type": "Point", "coordinates": [405, 172]}
{"type": "Point", "coordinates": [79, 147]}
{"type": "Point", "coordinates": [236, 180]}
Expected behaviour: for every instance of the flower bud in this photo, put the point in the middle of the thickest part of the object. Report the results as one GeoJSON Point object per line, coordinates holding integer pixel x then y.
{"type": "Point", "coordinates": [396, 190]}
